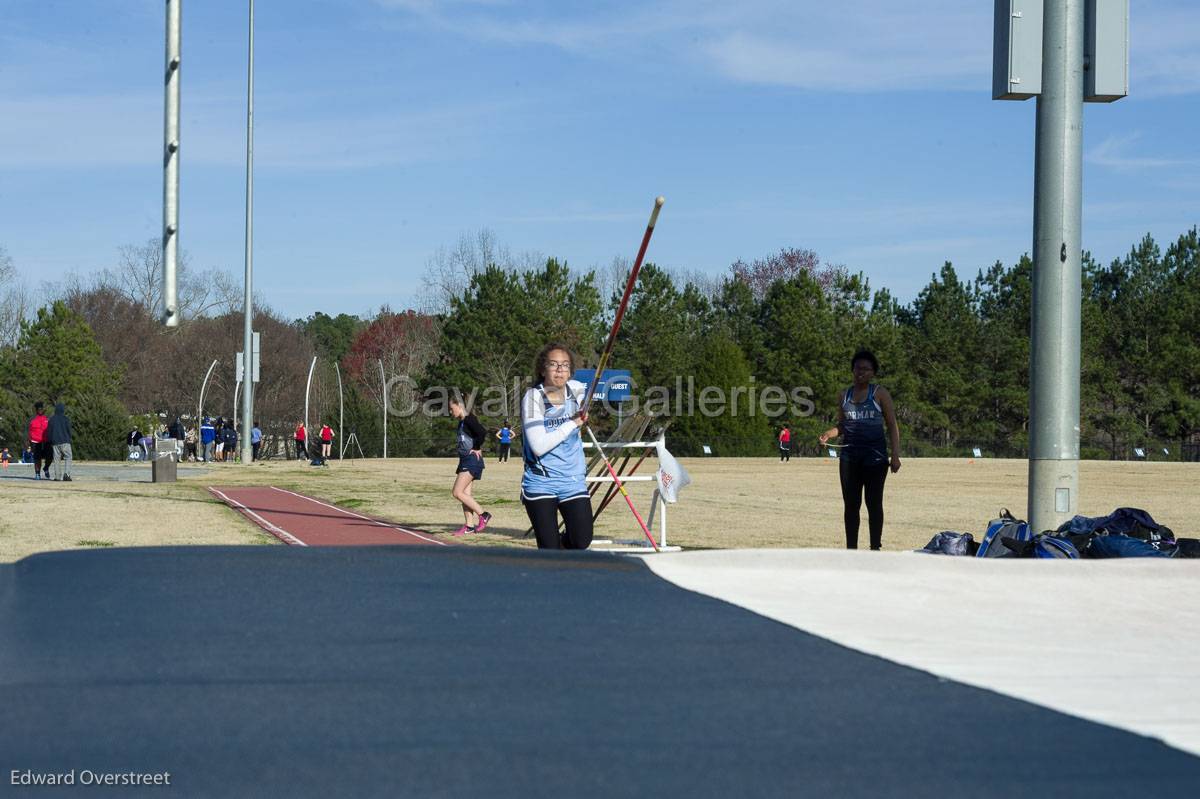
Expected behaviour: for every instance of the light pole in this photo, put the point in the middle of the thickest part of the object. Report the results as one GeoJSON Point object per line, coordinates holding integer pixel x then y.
{"type": "Point", "coordinates": [170, 235]}
{"type": "Point", "coordinates": [248, 310]}
{"type": "Point", "coordinates": [203, 388]}
{"type": "Point", "coordinates": [307, 387]}
{"type": "Point", "coordinates": [383, 382]}
{"type": "Point", "coordinates": [341, 410]}
{"type": "Point", "coordinates": [1065, 53]}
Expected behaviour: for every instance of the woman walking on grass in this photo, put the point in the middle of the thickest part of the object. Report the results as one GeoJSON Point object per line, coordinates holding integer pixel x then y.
{"type": "Point", "coordinates": [863, 466]}
{"type": "Point", "coordinates": [470, 468]}
{"type": "Point", "coordinates": [553, 482]}
{"type": "Point", "coordinates": [326, 441]}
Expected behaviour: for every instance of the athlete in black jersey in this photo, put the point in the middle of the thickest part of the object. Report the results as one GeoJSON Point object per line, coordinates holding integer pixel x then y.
{"type": "Point", "coordinates": [864, 410]}
{"type": "Point", "coordinates": [470, 467]}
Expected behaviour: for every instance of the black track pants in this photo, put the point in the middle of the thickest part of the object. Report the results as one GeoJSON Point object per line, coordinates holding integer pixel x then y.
{"type": "Point", "coordinates": [43, 456]}
{"type": "Point", "coordinates": [577, 513]}
{"type": "Point", "coordinates": [858, 479]}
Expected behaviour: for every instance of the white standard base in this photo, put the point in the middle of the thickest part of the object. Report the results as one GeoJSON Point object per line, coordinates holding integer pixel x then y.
{"type": "Point", "coordinates": [632, 547]}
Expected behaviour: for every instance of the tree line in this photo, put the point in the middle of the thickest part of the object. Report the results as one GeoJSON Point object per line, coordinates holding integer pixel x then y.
{"type": "Point", "coordinates": [728, 360]}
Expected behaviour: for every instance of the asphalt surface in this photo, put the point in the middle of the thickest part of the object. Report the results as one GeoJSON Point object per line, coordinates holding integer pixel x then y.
{"type": "Point", "coordinates": [456, 671]}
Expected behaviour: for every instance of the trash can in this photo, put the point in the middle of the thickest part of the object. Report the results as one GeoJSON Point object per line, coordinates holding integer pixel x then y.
{"type": "Point", "coordinates": [163, 468]}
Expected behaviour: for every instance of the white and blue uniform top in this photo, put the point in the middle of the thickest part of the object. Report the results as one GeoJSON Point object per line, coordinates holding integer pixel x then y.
{"type": "Point", "coordinates": [554, 462]}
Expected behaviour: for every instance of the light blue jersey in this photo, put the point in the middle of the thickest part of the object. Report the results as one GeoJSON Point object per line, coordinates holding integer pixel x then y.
{"type": "Point", "coordinates": [554, 462]}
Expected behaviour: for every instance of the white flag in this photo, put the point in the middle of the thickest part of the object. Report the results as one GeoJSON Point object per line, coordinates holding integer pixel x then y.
{"type": "Point", "coordinates": [671, 476]}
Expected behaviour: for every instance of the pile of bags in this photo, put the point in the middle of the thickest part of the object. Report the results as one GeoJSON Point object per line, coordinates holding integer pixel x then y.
{"type": "Point", "coordinates": [1124, 533]}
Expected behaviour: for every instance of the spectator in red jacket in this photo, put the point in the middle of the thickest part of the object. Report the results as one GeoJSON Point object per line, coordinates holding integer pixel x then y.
{"type": "Point", "coordinates": [43, 453]}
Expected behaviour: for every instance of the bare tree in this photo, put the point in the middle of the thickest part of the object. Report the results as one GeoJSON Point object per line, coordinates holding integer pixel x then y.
{"type": "Point", "coordinates": [449, 271]}
{"type": "Point", "coordinates": [15, 301]}
{"type": "Point", "coordinates": [138, 275]}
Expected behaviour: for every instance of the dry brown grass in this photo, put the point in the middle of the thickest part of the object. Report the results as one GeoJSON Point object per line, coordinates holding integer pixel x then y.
{"type": "Point", "coordinates": [733, 502]}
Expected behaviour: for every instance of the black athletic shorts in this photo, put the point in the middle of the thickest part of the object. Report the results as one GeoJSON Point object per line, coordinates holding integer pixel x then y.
{"type": "Point", "coordinates": [472, 464]}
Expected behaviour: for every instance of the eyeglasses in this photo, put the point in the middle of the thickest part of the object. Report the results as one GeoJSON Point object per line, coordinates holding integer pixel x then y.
{"type": "Point", "coordinates": [556, 365]}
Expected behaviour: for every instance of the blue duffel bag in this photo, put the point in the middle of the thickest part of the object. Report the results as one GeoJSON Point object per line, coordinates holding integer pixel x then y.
{"type": "Point", "coordinates": [1123, 546]}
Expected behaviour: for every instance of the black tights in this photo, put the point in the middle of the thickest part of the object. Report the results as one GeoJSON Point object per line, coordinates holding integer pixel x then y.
{"type": "Point", "coordinates": [855, 479]}
{"type": "Point", "coordinates": [43, 456]}
{"type": "Point", "coordinates": [577, 513]}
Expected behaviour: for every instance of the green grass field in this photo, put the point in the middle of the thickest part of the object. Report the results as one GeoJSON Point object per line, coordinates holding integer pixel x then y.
{"type": "Point", "coordinates": [732, 502]}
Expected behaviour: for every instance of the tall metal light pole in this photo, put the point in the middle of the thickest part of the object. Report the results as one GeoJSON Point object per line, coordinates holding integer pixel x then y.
{"type": "Point", "coordinates": [248, 309]}
{"type": "Point", "coordinates": [1057, 284]}
{"type": "Point", "coordinates": [383, 382]}
{"type": "Point", "coordinates": [170, 235]}
{"type": "Point", "coordinates": [1065, 53]}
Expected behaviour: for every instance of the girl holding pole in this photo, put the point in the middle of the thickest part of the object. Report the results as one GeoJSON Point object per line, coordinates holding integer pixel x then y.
{"type": "Point", "coordinates": [553, 482]}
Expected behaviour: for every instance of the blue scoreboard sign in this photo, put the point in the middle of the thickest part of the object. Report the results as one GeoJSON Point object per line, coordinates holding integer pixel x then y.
{"type": "Point", "coordinates": [616, 385]}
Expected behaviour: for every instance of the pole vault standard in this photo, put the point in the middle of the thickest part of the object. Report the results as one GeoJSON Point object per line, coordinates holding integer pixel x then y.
{"type": "Point", "coordinates": [612, 338]}
{"type": "Point", "coordinates": [621, 487]}
{"type": "Point", "coordinates": [629, 284]}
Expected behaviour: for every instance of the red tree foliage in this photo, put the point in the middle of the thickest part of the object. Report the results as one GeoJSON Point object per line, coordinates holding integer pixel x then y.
{"type": "Point", "coordinates": [406, 343]}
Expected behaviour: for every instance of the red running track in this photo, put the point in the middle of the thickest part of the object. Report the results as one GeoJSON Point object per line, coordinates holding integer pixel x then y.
{"type": "Point", "coordinates": [303, 521]}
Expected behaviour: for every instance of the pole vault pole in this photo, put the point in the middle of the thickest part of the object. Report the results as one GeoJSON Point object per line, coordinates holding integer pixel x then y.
{"type": "Point", "coordinates": [629, 284]}
{"type": "Point", "coordinates": [612, 338]}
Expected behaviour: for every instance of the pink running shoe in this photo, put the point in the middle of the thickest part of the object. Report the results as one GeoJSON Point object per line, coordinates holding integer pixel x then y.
{"type": "Point", "coordinates": [464, 530]}
{"type": "Point", "coordinates": [484, 518]}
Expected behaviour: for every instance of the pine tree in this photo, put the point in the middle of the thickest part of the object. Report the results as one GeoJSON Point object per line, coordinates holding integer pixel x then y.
{"type": "Point", "coordinates": [721, 369]}
{"type": "Point", "coordinates": [57, 360]}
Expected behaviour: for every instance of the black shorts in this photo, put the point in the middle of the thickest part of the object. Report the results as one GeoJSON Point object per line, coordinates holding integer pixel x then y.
{"type": "Point", "coordinates": [472, 464]}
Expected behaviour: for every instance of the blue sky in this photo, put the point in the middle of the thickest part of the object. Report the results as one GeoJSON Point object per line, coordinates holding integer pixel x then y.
{"type": "Point", "coordinates": [387, 129]}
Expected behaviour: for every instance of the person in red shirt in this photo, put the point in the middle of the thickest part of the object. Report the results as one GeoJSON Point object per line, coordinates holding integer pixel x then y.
{"type": "Point", "coordinates": [785, 444]}
{"type": "Point", "coordinates": [301, 438]}
{"type": "Point", "coordinates": [43, 454]}
{"type": "Point", "coordinates": [326, 440]}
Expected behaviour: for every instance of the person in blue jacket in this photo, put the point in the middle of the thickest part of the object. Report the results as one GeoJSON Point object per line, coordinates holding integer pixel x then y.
{"type": "Point", "coordinates": [255, 440]}
{"type": "Point", "coordinates": [208, 436]}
